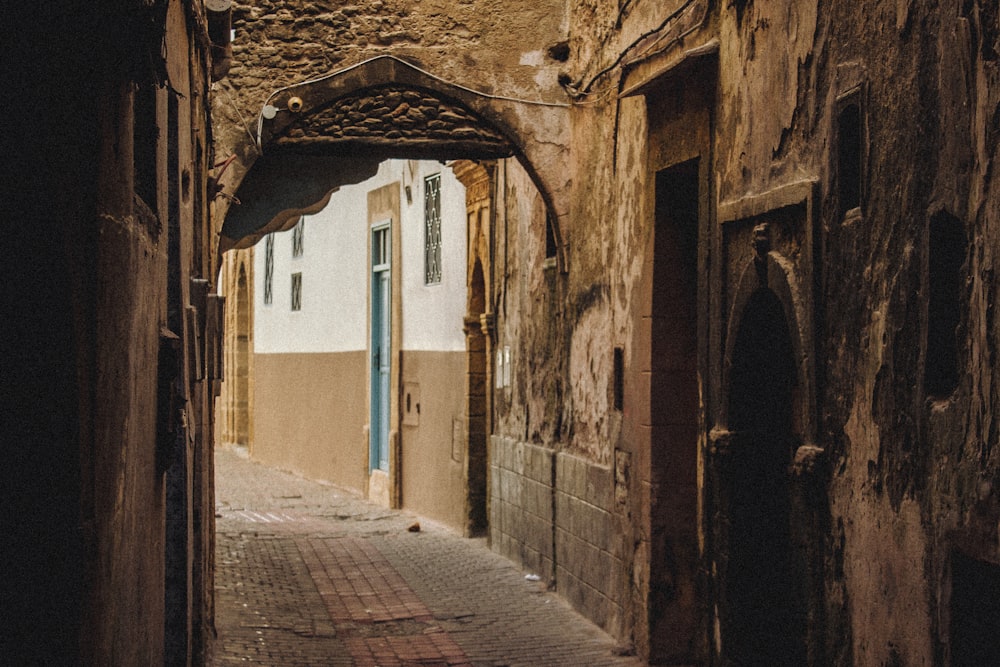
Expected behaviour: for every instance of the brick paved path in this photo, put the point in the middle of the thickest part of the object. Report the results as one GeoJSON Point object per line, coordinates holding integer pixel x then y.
{"type": "Point", "coordinates": [307, 574]}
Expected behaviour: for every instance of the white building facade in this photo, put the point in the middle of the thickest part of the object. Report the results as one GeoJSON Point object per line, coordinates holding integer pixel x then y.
{"type": "Point", "coordinates": [359, 354]}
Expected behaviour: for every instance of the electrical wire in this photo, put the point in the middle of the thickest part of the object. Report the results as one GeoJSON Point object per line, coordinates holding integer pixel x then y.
{"type": "Point", "coordinates": [596, 97]}
{"type": "Point", "coordinates": [478, 93]}
{"type": "Point", "coordinates": [246, 125]}
{"type": "Point", "coordinates": [585, 91]}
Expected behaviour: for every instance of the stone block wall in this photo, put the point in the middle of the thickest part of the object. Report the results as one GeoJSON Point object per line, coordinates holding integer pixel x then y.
{"type": "Point", "coordinates": [552, 513]}
{"type": "Point", "coordinates": [522, 512]}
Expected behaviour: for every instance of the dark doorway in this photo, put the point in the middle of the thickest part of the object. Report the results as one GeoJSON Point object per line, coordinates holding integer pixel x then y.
{"type": "Point", "coordinates": [674, 621]}
{"type": "Point", "coordinates": [765, 615]}
{"type": "Point", "coordinates": [975, 612]}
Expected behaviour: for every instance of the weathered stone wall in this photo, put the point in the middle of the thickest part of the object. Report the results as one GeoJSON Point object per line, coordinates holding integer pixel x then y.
{"type": "Point", "coordinates": [105, 187]}
{"type": "Point", "coordinates": [492, 47]}
{"type": "Point", "coordinates": [885, 479]}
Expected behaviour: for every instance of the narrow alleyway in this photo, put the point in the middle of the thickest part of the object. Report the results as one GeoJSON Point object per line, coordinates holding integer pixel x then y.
{"type": "Point", "coordinates": [309, 575]}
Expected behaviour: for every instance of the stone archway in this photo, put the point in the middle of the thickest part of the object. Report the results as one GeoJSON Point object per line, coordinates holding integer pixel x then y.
{"type": "Point", "coordinates": [317, 135]}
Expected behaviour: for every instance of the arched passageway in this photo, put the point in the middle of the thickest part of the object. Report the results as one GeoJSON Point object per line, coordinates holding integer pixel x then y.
{"type": "Point", "coordinates": [331, 132]}
{"type": "Point", "coordinates": [764, 617]}
{"type": "Point", "coordinates": [317, 135]}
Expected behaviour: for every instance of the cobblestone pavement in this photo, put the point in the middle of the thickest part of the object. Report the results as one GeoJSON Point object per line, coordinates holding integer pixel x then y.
{"type": "Point", "coordinates": [308, 574]}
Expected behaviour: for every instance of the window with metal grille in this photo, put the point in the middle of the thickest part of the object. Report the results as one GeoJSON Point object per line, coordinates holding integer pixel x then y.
{"type": "Point", "coordinates": [296, 291]}
{"type": "Point", "coordinates": [268, 269]}
{"type": "Point", "coordinates": [432, 229]}
{"type": "Point", "coordinates": [298, 237]}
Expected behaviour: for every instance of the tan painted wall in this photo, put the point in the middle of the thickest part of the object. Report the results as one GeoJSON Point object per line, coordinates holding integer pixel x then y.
{"type": "Point", "coordinates": [309, 415]}
{"type": "Point", "coordinates": [433, 462]}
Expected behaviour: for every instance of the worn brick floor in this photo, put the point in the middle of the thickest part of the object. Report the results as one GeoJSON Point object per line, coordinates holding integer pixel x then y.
{"type": "Point", "coordinates": [307, 574]}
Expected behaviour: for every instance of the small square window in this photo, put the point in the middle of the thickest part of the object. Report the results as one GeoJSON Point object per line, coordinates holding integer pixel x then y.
{"type": "Point", "coordinates": [296, 291]}
{"type": "Point", "coordinates": [268, 269]}
{"type": "Point", "coordinates": [298, 237]}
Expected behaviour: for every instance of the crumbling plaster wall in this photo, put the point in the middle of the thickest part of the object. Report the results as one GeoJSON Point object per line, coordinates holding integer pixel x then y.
{"type": "Point", "coordinates": [96, 265]}
{"type": "Point", "coordinates": [529, 315]}
{"type": "Point", "coordinates": [910, 478]}
{"type": "Point", "coordinates": [496, 48]}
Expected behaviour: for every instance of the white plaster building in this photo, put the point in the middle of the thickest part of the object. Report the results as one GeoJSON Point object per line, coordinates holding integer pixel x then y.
{"type": "Point", "coordinates": [359, 354]}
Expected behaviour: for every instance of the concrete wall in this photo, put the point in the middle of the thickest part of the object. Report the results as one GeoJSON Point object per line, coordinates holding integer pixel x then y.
{"type": "Point", "coordinates": [554, 514]}
{"type": "Point", "coordinates": [310, 414]}
{"type": "Point", "coordinates": [434, 442]}
{"type": "Point", "coordinates": [521, 504]}
{"type": "Point", "coordinates": [334, 270]}
{"type": "Point", "coordinates": [334, 267]}
{"type": "Point", "coordinates": [589, 541]}
{"type": "Point", "coordinates": [432, 314]}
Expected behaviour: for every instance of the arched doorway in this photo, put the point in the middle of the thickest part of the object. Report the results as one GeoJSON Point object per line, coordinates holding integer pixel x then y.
{"type": "Point", "coordinates": [241, 400]}
{"type": "Point", "coordinates": [234, 407]}
{"type": "Point", "coordinates": [764, 619]}
{"type": "Point", "coordinates": [476, 403]}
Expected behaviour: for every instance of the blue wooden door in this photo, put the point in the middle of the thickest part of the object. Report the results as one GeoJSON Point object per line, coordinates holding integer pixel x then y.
{"type": "Point", "coordinates": [381, 349]}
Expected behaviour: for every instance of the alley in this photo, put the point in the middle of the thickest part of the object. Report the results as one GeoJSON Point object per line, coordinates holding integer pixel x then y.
{"type": "Point", "coordinates": [309, 575]}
